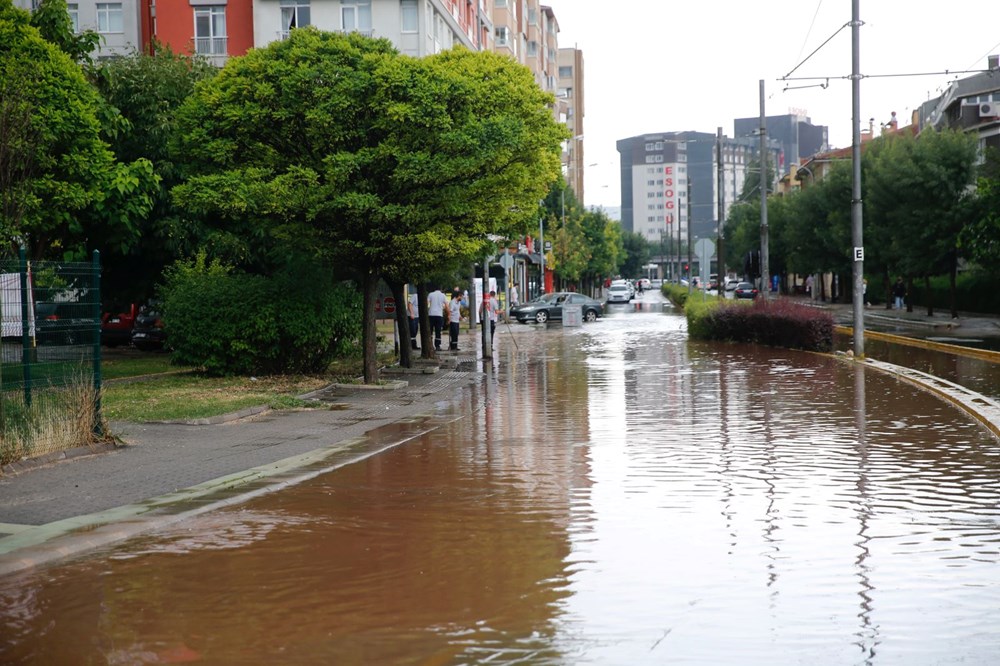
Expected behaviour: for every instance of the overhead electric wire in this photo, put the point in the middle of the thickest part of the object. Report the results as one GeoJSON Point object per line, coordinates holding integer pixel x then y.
{"type": "Point", "coordinates": [815, 51]}
{"type": "Point", "coordinates": [809, 32]}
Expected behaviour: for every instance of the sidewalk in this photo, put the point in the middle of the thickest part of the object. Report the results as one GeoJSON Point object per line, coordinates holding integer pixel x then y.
{"type": "Point", "coordinates": [167, 469]}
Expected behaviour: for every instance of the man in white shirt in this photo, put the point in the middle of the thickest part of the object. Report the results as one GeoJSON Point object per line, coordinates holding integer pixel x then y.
{"type": "Point", "coordinates": [435, 314]}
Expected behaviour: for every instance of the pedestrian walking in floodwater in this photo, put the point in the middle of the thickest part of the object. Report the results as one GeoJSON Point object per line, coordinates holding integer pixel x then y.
{"type": "Point", "coordinates": [454, 317]}
{"type": "Point", "coordinates": [436, 304]}
{"type": "Point", "coordinates": [488, 312]}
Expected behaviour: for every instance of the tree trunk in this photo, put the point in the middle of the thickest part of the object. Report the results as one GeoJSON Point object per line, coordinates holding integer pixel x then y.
{"type": "Point", "coordinates": [909, 293]}
{"type": "Point", "coordinates": [426, 343]}
{"type": "Point", "coordinates": [887, 288]}
{"type": "Point", "coordinates": [402, 325]}
{"type": "Point", "coordinates": [369, 332]}
{"type": "Point", "coordinates": [953, 286]}
{"type": "Point", "coordinates": [927, 295]}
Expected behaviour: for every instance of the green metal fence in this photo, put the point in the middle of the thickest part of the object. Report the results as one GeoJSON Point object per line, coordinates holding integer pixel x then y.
{"type": "Point", "coordinates": [50, 356]}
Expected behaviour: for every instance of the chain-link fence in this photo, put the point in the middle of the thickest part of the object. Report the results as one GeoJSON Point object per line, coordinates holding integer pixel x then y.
{"type": "Point", "coordinates": [50, 356]}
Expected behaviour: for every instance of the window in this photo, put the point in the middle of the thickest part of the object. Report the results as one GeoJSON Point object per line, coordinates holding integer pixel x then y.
{"type": "Point", "coordinates": [356, 15]}
{"type": "Point", "coordinates": [500, 4]}
{"type": "Point", "coordinates": [74, 16]}
{"type": "Point", "coordinates": [532, 16]}
{"type": "Point", "coordinates": [109, 17]}
{"type": "Point", "coordinates": [532, 49]}
{"type": "Point", "coordinates": [503, 36]}
{"type": "Point", "coordinates": [294, 14]}
{"type": "Point", "coordinates": [410, 20]}
{"type": "Point", "coordinates": [565, 72]}
{"type": "Point", "coordinates": [210, 30]}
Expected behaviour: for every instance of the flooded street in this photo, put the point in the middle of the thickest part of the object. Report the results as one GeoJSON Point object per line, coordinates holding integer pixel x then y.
{"type": "Point", "coordinates": [619, 495]}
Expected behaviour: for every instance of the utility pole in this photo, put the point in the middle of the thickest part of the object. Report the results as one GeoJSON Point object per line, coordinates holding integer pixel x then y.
{"type": "Point", "coordinates": [541, 249]}
{"type": "Point", "coordinates": [856, 219]}
{"type": "Point", "coordinates": [765, 273]}
{"type": "Point", "coordinates": [721, 215]}
{"type": "Point", "coordinates": [484, 316]}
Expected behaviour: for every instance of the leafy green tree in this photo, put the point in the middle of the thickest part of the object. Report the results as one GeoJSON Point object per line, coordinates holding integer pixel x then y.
{"type": "Point", "coordinates": [637, 251]}
{"type": "Point", "coordinates": [382, 163]}
{"type": "Point", "coordinates": [68, 186]}
{"type": "Point", "coordinates": [51, 18]}
{"type": "Point", "coordinates": [980, 238]}
{"type": "Point", "coordinates": [145, 91]}
{"type": "Point", "coordinates": [604, 236]}
{"type": "Point", "coordinates": [915, 188]}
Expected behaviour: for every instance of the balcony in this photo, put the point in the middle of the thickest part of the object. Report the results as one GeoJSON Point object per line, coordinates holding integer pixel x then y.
{"type": "Point", "coordinates": [210, 46]}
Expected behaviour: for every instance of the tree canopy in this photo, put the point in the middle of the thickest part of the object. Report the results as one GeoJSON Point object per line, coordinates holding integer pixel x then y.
{"type": "Point", "coordinates": [59, 182]}
{"type": "Point", "coordinates": [382, 163]}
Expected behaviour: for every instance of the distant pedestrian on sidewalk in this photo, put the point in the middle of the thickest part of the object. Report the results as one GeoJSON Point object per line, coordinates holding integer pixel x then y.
{"type": "Point", "coordinates": [436, 303]}
{"type": "Point", "coordinates": [413, 312]}
{"type": "Point", "coordinates": [899, 293]}
{"type": "Point", "coordinates": [513, 300]}
{"type": "Point", "coordinates": [454, 317]}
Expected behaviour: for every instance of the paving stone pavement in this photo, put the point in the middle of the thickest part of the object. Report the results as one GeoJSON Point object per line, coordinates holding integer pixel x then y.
{"type": "Point", "coordinates": [163, 458]}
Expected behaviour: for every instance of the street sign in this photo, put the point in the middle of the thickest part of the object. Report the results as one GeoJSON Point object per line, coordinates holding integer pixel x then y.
{"type": "Point", "coordinates": [389, 305]}
{"type": "Point", "coordinates": [507, 261]}
{"type": "Point", "coordinates": [704, 248]}
{"type": "Point", "coordinates": [859, 254]}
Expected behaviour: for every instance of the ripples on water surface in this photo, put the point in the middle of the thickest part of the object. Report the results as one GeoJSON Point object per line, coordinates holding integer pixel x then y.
{"type": "Point", "coordinates": [621, 496]}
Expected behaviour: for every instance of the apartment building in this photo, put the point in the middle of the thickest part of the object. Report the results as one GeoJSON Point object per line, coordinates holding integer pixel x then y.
{"type": "Point", "coordinates": [122, 25]}
{"type": "Point", "coordinates": [971, 104]}
{"type": "Point", "coordinates": [571, 96]}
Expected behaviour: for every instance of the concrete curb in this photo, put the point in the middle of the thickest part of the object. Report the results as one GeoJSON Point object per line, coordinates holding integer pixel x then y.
{"type": "Point", "coordinates": [56, 456]}
{"type": "Point", "coordinates": [958, 350]}
{"type": "Point", "coordinates": [983, 409]}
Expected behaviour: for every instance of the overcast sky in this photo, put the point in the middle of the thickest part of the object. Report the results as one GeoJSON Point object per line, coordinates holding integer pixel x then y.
{"type": "Point", "coordinates": [673, 65]}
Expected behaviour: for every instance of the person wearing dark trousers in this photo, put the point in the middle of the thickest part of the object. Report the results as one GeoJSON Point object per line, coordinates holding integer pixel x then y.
{"type": "Point", "coordinates": [454, 318]}
{"type": "Point", "coordinates": [436, 303]}
{"type": "Point", "coordinates": [413, 312]}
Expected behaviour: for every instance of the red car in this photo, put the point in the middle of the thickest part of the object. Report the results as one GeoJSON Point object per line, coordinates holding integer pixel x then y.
{"type": "Point", "coordinates": [117, 324]}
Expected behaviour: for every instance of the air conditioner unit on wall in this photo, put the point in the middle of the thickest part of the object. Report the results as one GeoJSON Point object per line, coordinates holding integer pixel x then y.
{"type": "Point", "coordinates": [989, 109]}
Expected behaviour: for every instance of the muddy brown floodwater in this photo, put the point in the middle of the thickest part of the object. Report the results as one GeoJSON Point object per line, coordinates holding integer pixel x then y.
{"type": "Point", "coordinates": [619, 495]}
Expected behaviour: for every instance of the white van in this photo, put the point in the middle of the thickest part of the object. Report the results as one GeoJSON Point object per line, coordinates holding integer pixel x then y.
{"type": "Point", "coordinates": [10, 306]}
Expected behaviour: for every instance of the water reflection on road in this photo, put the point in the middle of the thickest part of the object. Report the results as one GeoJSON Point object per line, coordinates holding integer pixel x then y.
{"type": "Point", "coordinates": [620, 496]}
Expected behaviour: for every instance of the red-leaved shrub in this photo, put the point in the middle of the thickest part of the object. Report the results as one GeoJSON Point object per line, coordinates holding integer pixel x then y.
{"type": "Point", "coordinates": [778, 323]}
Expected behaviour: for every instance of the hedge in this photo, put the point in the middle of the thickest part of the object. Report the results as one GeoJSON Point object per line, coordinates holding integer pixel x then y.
{"type": "Point", "coordinates": [777, 323]}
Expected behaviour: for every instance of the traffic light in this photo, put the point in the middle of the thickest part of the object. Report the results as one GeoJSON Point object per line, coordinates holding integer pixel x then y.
{"type": "Point", "coordinates": [685, 267]}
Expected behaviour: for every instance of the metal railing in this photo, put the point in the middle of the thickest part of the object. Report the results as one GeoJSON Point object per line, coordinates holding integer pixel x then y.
{"type": "Point", "coordinates": [50, 356]}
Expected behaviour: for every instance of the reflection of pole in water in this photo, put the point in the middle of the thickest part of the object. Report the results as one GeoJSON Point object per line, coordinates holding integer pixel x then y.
{"type": "Point", "coordinates": [726, 453]}
{"type": "Point", "coordinates": [771, 518]}
{"type": "Point", "coordinates": [867, 632]}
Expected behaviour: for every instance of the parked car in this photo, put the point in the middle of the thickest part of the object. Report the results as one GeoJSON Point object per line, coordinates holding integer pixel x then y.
{"type": "Point", "coordinates": [656, 283]}
{"type": "Point", "coordinates": [117, 323]}
{"type": "Point", "coordinates": [745, 290]}
{"type": "Point", "coordinates": [550, 306]}
{"type": "Point", "coordinates": [731, 284]}
{"type": "Point", "coordinates": [619, 293]}
{"type": "Point", "coordinates": [148, 333]}
{"type": "Point", "coordinates": [628, 284]}
{"type": "Point", "coordinates": [644, 283]}
{"type": "Point", "coordinates": [63, 323]}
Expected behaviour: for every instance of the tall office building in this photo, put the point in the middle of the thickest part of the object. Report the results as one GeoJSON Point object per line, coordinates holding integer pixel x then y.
{"type": "Point", "coordinates": [670, 182]}
{"type": "Point", "coordinates": [798, 137]}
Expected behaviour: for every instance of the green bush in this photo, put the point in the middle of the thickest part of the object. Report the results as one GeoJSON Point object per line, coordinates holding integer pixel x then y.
{"type": "Point", "coordinates": [975, 291]}
{"type": "Point", "coordinates": [235, 323]}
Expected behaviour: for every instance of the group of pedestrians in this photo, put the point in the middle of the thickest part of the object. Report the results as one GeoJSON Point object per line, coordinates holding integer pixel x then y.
{"type": "Point", "coordinates": [441, 310]}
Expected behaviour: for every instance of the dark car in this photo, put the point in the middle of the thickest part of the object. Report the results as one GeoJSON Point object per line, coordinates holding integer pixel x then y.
{"type": "Point", "coordinates": [148, 333]}
{"type": "Point", "coordinates": [117, 323]}
{"type": "Point", "coordinates": [550, 306]}
{"type": "Point", "coordinates": [745, 290]}
{"type": "Point", "coordinates": [64, 323]}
